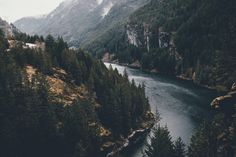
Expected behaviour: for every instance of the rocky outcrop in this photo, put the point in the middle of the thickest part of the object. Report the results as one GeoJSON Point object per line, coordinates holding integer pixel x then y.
{"type": "Point", "coordinates": [140, 35]}
{"type": "Point", "coordinates": [227, 131]}
{"type": "Point", "coordinates": [107, 57]}
{"type": "Point", "coordinates": [61, 86]}
{"type": "Point", "coordinates": [147, 35]}
{"type": "Point", "coordinates": [6, 28]}
{"type": "Point", "coordinates": [164, 39]}
{"type": "Point", "coordinates": [132, 36]}
{"type": "Point", "coordinates": [227, 102]}
{"type": "Point", "coordinates": [134, 137]}
{"type": "Point", "coordinates": [198, 57]}
{"type": "Point", "coordinates": [135, 65]}
{"type": "Point", "coordinates": [94, 17]}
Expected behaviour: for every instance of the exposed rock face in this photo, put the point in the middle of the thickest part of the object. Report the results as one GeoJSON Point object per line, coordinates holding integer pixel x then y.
{"type": "Point", "coordinates": [80, 21]}
{"type": "Point", "coordinates": [227, 102]}
{"type": "Point", "coordinates": [162, 25]}
{"type": "Point", "coordinates": [29, 24]}
{"type": "Point", "coordinates": [60, 85]}
{"type": "Point", "coordinates": [135, 65]}
{"type": "Point", "coordinates": [227, 106]}
{"type": "Point", "coordinates": [132, 36]}
{"type": "Point", "coordinates": [7, 28]}
{"type": "Point", "coordinates": [139, 35]}
{"type": "Point", "coordinates": [164, 39]}
{"type": "Point", "coordinates": [146, 35]}
{"type": "Point", "coordinates": [108, 57]}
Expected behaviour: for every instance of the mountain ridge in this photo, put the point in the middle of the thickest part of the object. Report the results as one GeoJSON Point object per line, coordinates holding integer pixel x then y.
{"type": "Point", "coordinates": [162, 36]}
{"type": "Point", "coordinates": [78, 21]}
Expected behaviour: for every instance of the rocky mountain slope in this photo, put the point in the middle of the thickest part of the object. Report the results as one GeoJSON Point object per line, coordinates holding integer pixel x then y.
{"type": "Point", "coordinates": [79, 21]}
{"type": "Point", "coordinates": [8, 29]}
{"type": "Point", "coordinates": [192, 39]}
{"type": "Point", "coordinates": [60, 102]}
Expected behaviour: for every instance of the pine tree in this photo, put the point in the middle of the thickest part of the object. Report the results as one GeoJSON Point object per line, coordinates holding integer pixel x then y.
{"type": "Point", "coordinates": [161, 144]}
{"type": "Point", "coordinates": [3, 42]}
{"type": "Point", "coordinates": [49, 42]}
{"type": "Point", "coordinates": [179, 148]}
{"type": "Point", "coordinates": [204, 142]}
{"type": "Point", "coordinates": [80, 150]}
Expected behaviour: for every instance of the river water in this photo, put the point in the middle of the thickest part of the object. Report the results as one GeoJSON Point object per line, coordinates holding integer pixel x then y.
{"type": "Point", "coordinates": [182, 105]}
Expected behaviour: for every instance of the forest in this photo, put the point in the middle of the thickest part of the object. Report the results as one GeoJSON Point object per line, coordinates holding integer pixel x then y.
{"type": "Point", "coordinates": [199, 37]}
{"type": "Point", "coordinates": [37, 120]}
{"type": "Point", "coordinates": [35, 123]}
{"type": "Point", "coordinates": [212, 139]}
{"type": "Point", "coordinates": [57, 101]}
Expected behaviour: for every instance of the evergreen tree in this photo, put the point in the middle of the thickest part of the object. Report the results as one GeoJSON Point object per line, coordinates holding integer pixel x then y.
{"type": "Point", "coordinates": [204, 142]}
{"type": "Point", "coordinates": [161, 144]}
{"type": "Point", "coordinates": [179, 148]}
{"type": "Point", "coordinates": [33, 122]}
{"type": "Point", "coordinates": [49, 42]}
{"type": "Point", "coordinates": [3, 42]}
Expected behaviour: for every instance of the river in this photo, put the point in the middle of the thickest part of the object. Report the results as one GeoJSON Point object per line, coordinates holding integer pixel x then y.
{"type": "Point", "coordinates": [181, 104]}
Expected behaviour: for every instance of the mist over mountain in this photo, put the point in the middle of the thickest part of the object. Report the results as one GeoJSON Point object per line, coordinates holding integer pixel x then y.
{"type": "Point", "coordinates": [56, 100]}
{"type": "Point", "coordinates": [78, 21]}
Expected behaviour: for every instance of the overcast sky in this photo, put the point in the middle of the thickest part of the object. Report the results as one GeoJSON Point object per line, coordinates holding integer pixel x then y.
{"type": "Point", "coordinates": [12, 10]}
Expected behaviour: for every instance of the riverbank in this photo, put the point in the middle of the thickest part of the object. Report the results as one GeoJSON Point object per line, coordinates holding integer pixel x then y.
{"type": "Point", "coordinates": [181, 77]}
{"type": "Point", "coordinates": [181, 104]}
{"type": "Point", "coordinates": [136, 136]}
{"type": "Point", "coordinates": [133, 138]}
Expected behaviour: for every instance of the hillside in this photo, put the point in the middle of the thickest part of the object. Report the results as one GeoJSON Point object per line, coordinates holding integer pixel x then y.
{"type": "Point", "coordinates": [192, 39]}
{"type": "Point", "coordinates": [7, 29]}
{"type": "Point", "coordinates": [60, 102]}
{"type": "Point", "coordinates": [79, 21]}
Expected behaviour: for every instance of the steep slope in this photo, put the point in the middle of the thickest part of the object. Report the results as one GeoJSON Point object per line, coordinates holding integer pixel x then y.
{"type": "Point", "coordinates": [60, 102]}
{"type": "Point", "coordinates": [8, 29]}
{"type": "Point", "coordinates": [29, 24]}
{"type": "Point", "coordinates": [79, 21]}
{"type": "Point", "coordinates": [193, 39]}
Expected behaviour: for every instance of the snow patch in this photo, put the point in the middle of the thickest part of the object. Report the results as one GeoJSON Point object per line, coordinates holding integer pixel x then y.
{"type": "Point", "coordinates": [30, 45]}
{"type": "Point", "coordinates": [99, 1]}
{"type": "Point", "coordinates": [106, 9]}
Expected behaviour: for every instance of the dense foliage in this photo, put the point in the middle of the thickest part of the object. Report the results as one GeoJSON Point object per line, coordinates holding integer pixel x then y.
{"type": "Point", "coordinates": [3, 42]}
{"type": "Point", "coordinates": [200, 36]}
{"type": "Point", "coordinates": [161, 145]}
{"type": "Point", "coordinates": [215, 138]}
{"type": "Point", "coordinates": [33, 123]}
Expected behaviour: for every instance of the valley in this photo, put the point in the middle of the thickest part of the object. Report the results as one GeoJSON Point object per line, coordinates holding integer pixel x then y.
{"type": "Point", "coordinates": [182, 105]}
{"type": "Point", "coordinates": [119, 78]}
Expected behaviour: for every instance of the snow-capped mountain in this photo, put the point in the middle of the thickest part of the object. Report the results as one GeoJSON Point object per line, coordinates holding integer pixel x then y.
{"type": "Point", "coordinates": [79, 21]}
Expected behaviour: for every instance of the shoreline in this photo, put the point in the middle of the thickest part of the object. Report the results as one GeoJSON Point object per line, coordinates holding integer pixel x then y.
{"type": "Point", "coordinates": [135, 136]}
{"type": "Point", "coordinates": [175, 76]}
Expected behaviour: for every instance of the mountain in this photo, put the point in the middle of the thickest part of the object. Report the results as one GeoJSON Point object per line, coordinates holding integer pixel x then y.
{"type": "Point", "coordinates": [29, 24]}
{"type": "Point", "coordinates": [60, 102]}
{"type": "Point", "coordinates": [79, 21]}
{"type": "Point", "coordinates": [191, 39]}
{"type": "Point", "coordinates": [8, 29]}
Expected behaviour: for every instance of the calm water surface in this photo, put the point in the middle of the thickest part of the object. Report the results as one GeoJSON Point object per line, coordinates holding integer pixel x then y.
{"type": "Point", "coordinates": [181, 104]}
